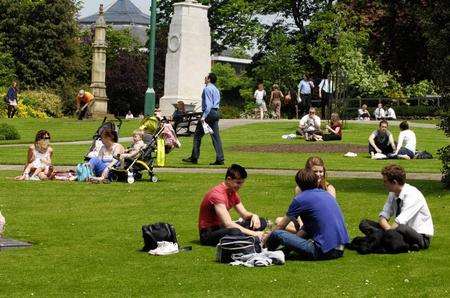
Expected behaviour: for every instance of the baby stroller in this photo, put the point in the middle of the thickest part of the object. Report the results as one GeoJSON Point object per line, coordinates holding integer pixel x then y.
{"type": "Point", "coordinates": [96, 139]}
{"type": "Point", "coordinates": [134, 168]}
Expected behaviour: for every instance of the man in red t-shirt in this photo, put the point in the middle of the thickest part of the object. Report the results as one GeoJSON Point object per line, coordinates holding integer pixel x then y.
{"type": "Point", "coordinates": [215, 221]}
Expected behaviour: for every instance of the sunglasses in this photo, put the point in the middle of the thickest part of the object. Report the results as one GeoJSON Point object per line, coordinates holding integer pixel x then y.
{"type": "Point", "coordinates": [45, 138]}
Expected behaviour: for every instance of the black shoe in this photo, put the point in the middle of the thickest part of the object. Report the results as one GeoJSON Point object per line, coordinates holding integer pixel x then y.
{"type": "Point", "coordinates": [191, 160]}
{"type": "Point", "coordinates": [217, 163]}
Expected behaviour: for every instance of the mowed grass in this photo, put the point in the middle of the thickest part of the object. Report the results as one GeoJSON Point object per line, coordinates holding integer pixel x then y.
{"type": "Point", "coordinates": [62, 129]}
{"type": "Point", "coordinates": [250, 135]}
{"type": "Point", "coordinates": [86, 240]}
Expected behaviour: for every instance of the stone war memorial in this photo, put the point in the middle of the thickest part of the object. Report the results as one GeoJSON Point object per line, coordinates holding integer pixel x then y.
{"type": "Point", "coordinates": [188, 58]}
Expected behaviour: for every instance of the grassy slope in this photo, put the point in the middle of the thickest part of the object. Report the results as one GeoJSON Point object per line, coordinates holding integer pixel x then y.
{"type": "Point", "coordinates": [86, 239]}
{"type": "Point", "coordinates": [255, 134]}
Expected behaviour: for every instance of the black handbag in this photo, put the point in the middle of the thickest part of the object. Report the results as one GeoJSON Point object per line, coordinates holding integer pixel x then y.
{"type": "Point", "coordinates": [157, 232]}
{"type": "Point", "coordinates": [231, 247]}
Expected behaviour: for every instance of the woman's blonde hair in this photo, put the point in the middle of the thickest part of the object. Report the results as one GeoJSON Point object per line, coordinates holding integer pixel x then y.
{"type": "Point", "coordinates": [275, 87]}
{"type": "Point", "coordinates": [138, 132]}
{"type": "Point", "coordinates": [334, 118]}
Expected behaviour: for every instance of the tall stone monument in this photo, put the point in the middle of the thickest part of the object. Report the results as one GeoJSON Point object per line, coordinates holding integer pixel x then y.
{"type": "Point", "coordinates": [100, 106]}
{"type": "Point", "coordinates": [188, 58]}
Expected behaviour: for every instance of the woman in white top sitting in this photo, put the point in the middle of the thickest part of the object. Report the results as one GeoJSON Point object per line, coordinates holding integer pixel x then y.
{"type": "Point", "coordinates": [259, 96]}
{"type": "Point", "coordinates": [406, 147]}
{"type": "Point", "coordinates": [106, 157]}
{"type": "Point", "coordinates": [363, 113]}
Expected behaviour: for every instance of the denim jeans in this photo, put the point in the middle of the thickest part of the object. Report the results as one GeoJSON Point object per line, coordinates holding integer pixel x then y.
{"type": "Point", "coordinates": [305, 248]}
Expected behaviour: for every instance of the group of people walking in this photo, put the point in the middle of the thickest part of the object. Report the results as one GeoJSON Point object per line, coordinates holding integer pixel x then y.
{"type": "Point", "coordinates": [300, 99]}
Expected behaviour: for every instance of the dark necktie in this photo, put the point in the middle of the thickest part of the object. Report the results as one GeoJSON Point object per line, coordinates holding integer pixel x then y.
{"type": "Point", "coordinates": [399, 208]}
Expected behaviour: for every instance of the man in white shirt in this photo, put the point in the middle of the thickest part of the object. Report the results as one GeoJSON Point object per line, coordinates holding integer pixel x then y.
{"type": "Point", "coordinates": [309, 124]}
{"type": "Point", "coordinates": [326, 89]}
{"type": "Point", "coordinates": [406, 146]}
{"type": "Point", "coordinates": [390, 114]}
{"type": "Point", "coordinates": [407, 205]}
{"type": "Point", "coordinates": [379, 113]}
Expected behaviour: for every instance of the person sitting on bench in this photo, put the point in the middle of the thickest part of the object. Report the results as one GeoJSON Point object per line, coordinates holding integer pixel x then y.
{"type": "Point", "coordinates": [215, 220]}
{"type": "Point", "coordinates": [407, 205]}
{"type": "Point", "coordinates": [381, 140]}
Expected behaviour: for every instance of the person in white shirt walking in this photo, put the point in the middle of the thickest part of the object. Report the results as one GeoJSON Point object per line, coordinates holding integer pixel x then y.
{"type": "Point", "coordinates": [259, 96]}
{"type": "Point", "coordinates": [406, 146]}
{"type": "Point", "coordinates": [407, 205]}
{"type": "Point", "coordinates": [379, 113]}
{"type": "Point", "coordinates": [326, 89]}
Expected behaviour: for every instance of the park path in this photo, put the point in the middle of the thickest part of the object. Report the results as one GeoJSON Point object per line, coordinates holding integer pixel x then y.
{"type": "Point", "coordinates": [274, 172]}
{"type": "Point", "coordinates": [228, 123]}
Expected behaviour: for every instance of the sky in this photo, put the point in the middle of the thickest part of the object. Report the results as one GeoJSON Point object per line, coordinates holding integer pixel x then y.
{"type": "Point", "coordinates": [91, 6]}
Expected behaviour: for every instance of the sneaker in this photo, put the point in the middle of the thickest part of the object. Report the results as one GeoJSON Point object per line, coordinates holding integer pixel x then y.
{"type": "Point", "coordinates": [217, 163]}
{"type": "Point", "coordinates": [164, 248]}
{"type": "Point", "coordinates": [34, 178]}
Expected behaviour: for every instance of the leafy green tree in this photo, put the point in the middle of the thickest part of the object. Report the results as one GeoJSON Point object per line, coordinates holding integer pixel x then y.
{"type": "Point", "coordinates": [233, 23]}
{"type": "Point", "coordinates": [41, 37]}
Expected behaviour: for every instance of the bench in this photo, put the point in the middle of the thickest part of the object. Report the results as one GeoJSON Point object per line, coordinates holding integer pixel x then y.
{"type": "Point", "coordinates": [183, 125]}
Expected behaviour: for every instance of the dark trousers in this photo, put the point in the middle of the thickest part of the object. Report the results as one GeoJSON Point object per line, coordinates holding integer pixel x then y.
{"type": "Point", "coordinates": [212, 236]}
{"type": "Point", "coordinates": [83, 113]}
{"type": "Point", "coordinates": [11, 111]}
{"type": "Point", "coordinates": [213, 120]}
{"type": "Point", "coordinates": [327, 100]}
{"type": "Point", "coordinates": [410, 236]}
{"type": "Point", "coordinates": [332, 137]}
{"type": "Point", "coordinates": [385, 148]}
{"type": "Point", "coordinates": [306, 102]}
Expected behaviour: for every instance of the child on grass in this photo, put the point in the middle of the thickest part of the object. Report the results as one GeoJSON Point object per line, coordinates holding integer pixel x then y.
{"type": "Point", "coordinates": [39, 158]}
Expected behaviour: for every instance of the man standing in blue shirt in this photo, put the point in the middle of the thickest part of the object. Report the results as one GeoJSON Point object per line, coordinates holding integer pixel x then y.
{"type": "Point", "coordinates": [304, 91]}
{"type": "Point", "coordinates": [210, 109]}
{"type": "Point", "coordinates": [323, 234]}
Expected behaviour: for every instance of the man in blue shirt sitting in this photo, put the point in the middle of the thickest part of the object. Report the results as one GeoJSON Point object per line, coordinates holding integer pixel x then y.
{"type": "Point", "coordinates": [210, 109]}
{"type": "Point", "coordinates": [323, 234]}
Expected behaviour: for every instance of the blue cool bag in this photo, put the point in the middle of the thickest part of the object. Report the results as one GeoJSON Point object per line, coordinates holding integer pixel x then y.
{"type": "Point", "coordinates": [84, 172]}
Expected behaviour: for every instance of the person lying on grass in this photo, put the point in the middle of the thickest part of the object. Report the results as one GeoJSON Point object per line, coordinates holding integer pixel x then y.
{"type": "Point", "coordinates": [407, 205]}
{"type": "Point", "coordinates": [214, 218]}
{"type": "Point", "coordinates": [39, 160]}
{"type": "Point", "coordinates": [315, 164]}
{"type": "Point", "coordinates": [105, 160]}
{"type": "Point", "coordinates": [323, 234]}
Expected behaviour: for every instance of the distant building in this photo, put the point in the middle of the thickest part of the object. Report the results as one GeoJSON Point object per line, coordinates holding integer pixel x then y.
{"type": "Point", "coordinates": [123, 14]}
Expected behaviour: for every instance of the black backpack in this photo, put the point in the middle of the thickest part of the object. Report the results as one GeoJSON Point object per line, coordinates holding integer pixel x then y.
{"type": "Point", "coordinates": [157, 232]}
{"type": "Point", "coordinates": [423, 155]}
{"type": "Point", "coordinates": [230, 247]}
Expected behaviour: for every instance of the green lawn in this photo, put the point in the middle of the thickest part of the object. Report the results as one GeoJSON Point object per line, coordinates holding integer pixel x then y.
{"type": "Point", "coordinates": [254, 134]}
{"type": "Point", "coordinates": [61, 130]}
{"type": "Point", "coordinates": [86, 239]}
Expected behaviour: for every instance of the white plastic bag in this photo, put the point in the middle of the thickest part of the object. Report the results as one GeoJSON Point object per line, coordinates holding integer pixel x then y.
{"type": "Point", "coordinates": [207, 129]}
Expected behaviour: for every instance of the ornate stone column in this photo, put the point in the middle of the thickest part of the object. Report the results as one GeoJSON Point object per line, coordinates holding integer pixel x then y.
{"type": "Point", "coordinates": [100, 106]}
{"type": "Point", "coordinates": [188, 58]}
